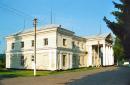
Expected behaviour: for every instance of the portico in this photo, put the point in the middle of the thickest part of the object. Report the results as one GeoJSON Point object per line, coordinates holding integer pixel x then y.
{"type": "Point", "coordinates": [100, 52]}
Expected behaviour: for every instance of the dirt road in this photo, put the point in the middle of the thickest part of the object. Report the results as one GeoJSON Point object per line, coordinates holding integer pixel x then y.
{"type": "Point", "coordinates": [103, 76]}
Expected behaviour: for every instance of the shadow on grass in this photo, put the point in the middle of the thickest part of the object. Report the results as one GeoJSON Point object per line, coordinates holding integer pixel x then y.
{"type": "Point", "coordinates": [121, 76]}
{"type": "Point", "coordinates": [6, 76]}
{"type": "Point", "coordinates": [10, 73]}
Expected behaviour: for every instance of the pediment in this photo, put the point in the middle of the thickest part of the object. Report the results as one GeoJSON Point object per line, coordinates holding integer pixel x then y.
{"type": "Point", "coordinates": [109, 38]}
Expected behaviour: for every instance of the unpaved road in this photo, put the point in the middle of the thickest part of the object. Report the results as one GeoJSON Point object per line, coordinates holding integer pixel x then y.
{"type": "Point", "coordinates": [102, 76]}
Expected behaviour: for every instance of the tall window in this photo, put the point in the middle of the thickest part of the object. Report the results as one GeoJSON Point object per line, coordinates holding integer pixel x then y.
{"type": "Point", "coordinates": [12, 46]}
{"type": "Point", "coordinates": [32, 43]}
{"type": "Point", "coordinates": [64, 60]}
{"type": "Point", "coordinates": [73, 44]}
{"type": "Point", "coordinates": [46, 41]}
{"type": "Point", "coordinates": [64, 42]}
{"type": "Point", "coordinates": [22, 60]}
{"type": "Point", "coordinates": [22, 44]}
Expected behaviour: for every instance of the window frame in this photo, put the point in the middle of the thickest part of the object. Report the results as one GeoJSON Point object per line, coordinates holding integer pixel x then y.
{"type": "Point", "coordinates": [64, 42]}
{"type": "Point", "coordinates": [73, 44]}
{"type": "Point", "coordinates": [22, 62]}
{"type": "Point", "coordinates": [22, 44]}
{"type": "Point", "coordinates": [12, 45]}
{"type": "Point", "coordinates": [45, 41]}
{"type": "Point", "coordinates": [64, 60]}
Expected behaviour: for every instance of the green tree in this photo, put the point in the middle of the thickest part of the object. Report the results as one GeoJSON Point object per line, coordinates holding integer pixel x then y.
{"type": "Point", "coordinates": [121, 27]}
{"type": "Point", "coordinates": [118, 50]}
{"type": "Point", "coordinates": [2, 61]}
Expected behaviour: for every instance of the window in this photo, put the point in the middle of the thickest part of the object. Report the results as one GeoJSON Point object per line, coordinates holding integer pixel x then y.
{"type": "Point", "coordinates": [64, 60]}
{"type": "Point", "coordinates": [22, 44]}
{"type": "Point", "coordinates": [22, 60]}
{"type": "Point", "coordinates": [32, 43]}
{"type": "Point", "coordinates": [64, 42]}
{"type": "Point", "coordinates": [12, 46]}
{"type": "Point", "coordinates": [46, 41]}
{"type": "Point", "coordinates": [73, 44]}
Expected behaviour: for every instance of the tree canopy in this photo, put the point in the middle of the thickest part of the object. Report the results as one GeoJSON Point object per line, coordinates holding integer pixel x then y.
{"type": "Point", "coordinates": [121, 27]}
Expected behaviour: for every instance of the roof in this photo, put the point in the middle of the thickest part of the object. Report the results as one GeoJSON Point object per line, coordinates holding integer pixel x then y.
{"type": "Point", "coordinates": [97, 36]}
{"type": "Point", "coordinates": [39, 28]}
{"type": "Point", "coordinates": [46, 27]}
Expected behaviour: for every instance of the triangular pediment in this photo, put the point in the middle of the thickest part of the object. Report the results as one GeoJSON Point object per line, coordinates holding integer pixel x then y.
{"type": "Point", "coordinates": [109, 38]}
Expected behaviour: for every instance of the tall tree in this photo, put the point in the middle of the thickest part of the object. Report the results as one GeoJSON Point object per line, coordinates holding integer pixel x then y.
{"type": "Point", "coordinates": [118, 50]}
{"type": "Point", "coordinates": [121, 27]}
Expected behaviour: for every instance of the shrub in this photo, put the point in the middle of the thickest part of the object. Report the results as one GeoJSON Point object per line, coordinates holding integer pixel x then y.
{"type": "Point", "coordinates": [2, 60]}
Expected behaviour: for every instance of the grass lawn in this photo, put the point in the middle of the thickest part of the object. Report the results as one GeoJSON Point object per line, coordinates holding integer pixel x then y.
{"type": "Point", "coordinates": [23, 73]}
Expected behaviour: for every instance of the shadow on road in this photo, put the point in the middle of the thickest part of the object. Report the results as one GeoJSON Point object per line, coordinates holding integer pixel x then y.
{"type": "Point", "coordinates": [121, 76]}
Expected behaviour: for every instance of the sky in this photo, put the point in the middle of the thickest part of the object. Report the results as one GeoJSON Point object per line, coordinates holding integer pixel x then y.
{"type": "Point", "coordinates": [84, 17]}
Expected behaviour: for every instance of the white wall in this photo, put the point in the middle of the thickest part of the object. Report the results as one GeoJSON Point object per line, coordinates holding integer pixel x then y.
{"type": "Point", "coordinates": [44, 59]}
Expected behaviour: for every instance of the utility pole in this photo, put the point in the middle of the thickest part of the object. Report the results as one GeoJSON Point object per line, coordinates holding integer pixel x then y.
{"type": "Point", "coordinates": [35, 29]}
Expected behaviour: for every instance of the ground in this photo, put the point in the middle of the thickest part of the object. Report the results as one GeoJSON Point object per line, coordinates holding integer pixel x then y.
{"type": "Point", "coordinates": [102, 76]}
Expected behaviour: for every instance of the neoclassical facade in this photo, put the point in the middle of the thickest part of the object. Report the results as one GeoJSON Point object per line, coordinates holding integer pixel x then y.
{"type": "Point", "coordinates": [57, 48]}
{"type": "Point", "coordinates": [100, 51]}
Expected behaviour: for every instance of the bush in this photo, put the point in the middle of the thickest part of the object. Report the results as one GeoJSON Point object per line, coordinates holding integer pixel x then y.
{"type": "Point", "coordinates": [2, 60]}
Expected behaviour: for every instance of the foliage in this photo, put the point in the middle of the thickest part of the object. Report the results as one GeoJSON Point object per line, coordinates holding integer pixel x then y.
{"type": "Point", "coordinates": [121, 27]}
{"type": "Point", "coordinates": [2, 60]}
{"type": "Point", "coordinates": [118, 50]}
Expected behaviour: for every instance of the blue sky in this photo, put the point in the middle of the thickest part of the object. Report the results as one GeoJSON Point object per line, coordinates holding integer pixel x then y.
{"type": "Point", "coordinates": [84, 17]}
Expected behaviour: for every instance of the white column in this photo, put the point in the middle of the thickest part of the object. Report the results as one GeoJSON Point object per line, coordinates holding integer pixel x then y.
{"type": "Point", "coordinates": [104, 55]}
{"type": "Point", "coordinates": [60, 60]}
{"type": "Point", "coordinates": [107, 55]}
{"type": "Point", "coordinates": [8, 60]}
{"type": "Point", "coordinates": [50, 57]}
{"type": "Point", "coordinates": [90, 55]}
{"type": "Point", "coordinates": [56, 60]}
{"type": "Point", "coordinates": [71, 60]}
{"type": "Point", "coordinates": [112, 56]}
{"type": "Point", "coordinates": [68, 61]}
{"type": "Point", "coordinates": [101, 56]}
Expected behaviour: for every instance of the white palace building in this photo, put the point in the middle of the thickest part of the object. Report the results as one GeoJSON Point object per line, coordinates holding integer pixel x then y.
{"type": "Point", "coordinates": [58, 49]}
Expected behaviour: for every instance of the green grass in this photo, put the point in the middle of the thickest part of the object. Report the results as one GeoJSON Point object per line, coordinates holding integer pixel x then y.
{"type": "Point", "coordinates": [25, 73]}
